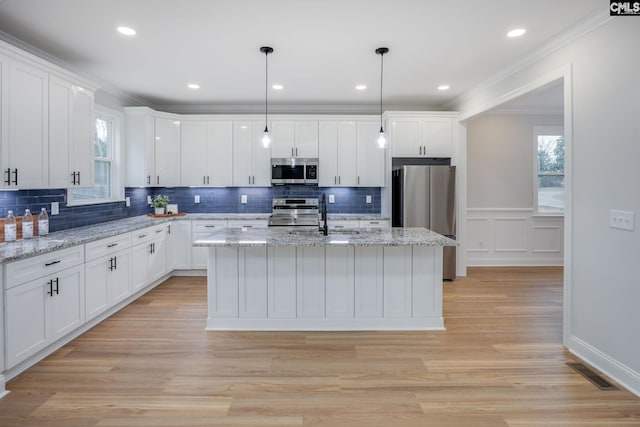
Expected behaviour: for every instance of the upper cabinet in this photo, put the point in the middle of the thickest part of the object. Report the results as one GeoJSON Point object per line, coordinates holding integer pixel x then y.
{"type": "Point", "coordinates": [371, 158]}
{"type": "Point", "coordinates": [46, 123]}
{"type": "Point", "coordinates": [294, 138]}
{"type": "Point", "coordinates": [167, 152]}
{"type": "Point", "coordinates": [206, 153]}
{"type": "Point", "coordinates": [71, 145]}
{"type": "Point", "coordinates": [251, 160]}
{"type": "Point", "coordinates": [427, 135]}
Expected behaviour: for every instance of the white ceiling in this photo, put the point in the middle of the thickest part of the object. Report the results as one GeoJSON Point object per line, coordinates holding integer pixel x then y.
{"type": "Point", "coordinates": [323, 48]}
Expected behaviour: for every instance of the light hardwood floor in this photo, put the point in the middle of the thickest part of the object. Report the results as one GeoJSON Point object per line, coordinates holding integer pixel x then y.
{"type": "Point", "coordinates": [500, 363]}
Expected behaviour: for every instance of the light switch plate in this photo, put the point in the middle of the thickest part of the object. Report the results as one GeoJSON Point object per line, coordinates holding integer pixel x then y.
{"type": "Point", "coordinates": [332, 198]}
{"type": "Point", "coordinates": [623, 220]}
{"type": "Point", "coordinates": [149, 200]}
{"type": "Point", "coordinates": [243, 199]}
{"type": "Point", "coordinates": [55, 208]}
{"type": "Point", "coordinates": [368, 198]}
{"type": "Point", "coordinates": [127, 202]}
{"type": "Point", "coordinates": [196, 198]}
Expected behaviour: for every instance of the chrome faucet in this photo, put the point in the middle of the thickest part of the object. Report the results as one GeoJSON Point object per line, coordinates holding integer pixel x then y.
{"type": "Point", "coordinates": [325, 226]}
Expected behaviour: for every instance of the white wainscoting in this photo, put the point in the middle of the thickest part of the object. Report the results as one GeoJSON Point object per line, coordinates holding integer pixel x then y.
{"type": "Point", "coordinates": [513, 237]}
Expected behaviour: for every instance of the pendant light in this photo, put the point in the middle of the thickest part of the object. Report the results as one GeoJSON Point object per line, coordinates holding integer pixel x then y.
{"type": "Point", "coordinates": [382, 139]}
{"type": "Point", "coordinates": [266, 137]}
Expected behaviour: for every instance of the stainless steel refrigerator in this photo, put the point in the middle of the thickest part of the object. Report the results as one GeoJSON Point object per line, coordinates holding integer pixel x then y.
{"type": "Point", "coordinates": [425, 196]}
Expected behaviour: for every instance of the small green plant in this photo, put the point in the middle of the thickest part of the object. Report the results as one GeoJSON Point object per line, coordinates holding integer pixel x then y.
{"type": "Point", "coordinates": [160, 201]}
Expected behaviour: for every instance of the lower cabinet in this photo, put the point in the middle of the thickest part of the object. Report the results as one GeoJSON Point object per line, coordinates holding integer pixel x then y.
{"type": "Point", "coordinates": [340, 282]}
{"type": "Point", "coordinates": [252, 269]}
{"type": "Point", "coordinates": [148, 256]}
{"type": "Point", "coordinates": [179, 245]}
{"type": "Point", "coordinates": [41, 311]}
{"type": "Point", "coordinates": [201, 229]}
{"type": "Point", "coordinates": [107, 282]}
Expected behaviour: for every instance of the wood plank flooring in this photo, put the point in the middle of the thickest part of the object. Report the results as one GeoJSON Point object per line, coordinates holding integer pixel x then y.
{"type": "Point", "coordinates": [500, 363]}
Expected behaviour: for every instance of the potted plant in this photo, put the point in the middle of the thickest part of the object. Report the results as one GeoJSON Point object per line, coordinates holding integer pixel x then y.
{"type": "Point", "coordinates": [159, 203]}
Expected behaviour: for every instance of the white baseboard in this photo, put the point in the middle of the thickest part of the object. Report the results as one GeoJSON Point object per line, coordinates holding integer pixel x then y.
{"type": "Point", "coordinates": [3, 390]}
{"type": "Point", "coordinates": [324, 324]}
{"type": "Point", "coordinates": [514, 262]}
{"type": "Point", "coordinates": [619, 372]}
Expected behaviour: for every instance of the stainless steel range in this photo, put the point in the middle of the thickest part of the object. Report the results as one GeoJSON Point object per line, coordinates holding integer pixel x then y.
{"type": "Point", "coordinates": [294, 213]}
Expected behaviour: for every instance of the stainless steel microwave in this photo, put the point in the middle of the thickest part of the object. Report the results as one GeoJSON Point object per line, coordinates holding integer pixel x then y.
{"type": "Point", "coordinates": [294, 171]}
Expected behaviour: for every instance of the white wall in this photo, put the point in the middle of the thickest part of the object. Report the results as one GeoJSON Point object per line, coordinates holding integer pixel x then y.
{"type": "Point", "coordinates": [602, 289]}
{"type": "Point", "coordinates": [502, 227]}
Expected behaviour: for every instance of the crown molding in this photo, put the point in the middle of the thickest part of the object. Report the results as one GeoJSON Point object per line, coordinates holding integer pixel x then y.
{"type": "Point", "coordinates": [528, 111]}
{"type": "Point", "coordinates": [561, 40]}
{"type": "Point", "coordinates": [284, 108]}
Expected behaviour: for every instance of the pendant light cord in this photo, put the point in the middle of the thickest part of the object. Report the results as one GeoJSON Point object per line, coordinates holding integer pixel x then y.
{"type": "Point", "coordinates": [381, 73]}
{"type": "Point", "coordinates": [266, 91]}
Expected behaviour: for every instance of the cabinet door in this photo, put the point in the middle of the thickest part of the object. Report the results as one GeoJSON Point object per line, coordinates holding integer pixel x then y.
{"type": "Point", "coordinates": [82, 126]}
{"type": "Point", "coordinates": [222, 282]}
{"type": "Point", "coordinates": [405, 139]}
{"type": "Point", "coordinates": [119, 277]}
{"type": "Point", "coordinates": [340, 282]}
{"type": "Point", "coordinates": [179, 245]}
{"type": "Point", "coordinates": [347, 154]}
{"type": "Point", "coordinates": [252, 288]}
{"type": "Point", "coordinates": [328, 154]}
{"type": "Point", "coordinates": [282, 139]}
{"type": "Point", "coordinates": [437, 136]}
{"type": "Point", "coordinates": [368, 266]}
{"type": "Point", "coordinates": [139, 149]}
{"type": "Point", "coordinates": [26, 325]}
{"type": "Point", "coordinates": [242, 154]}
{"type": "Point", "coordinates": [157, 259]}
{"type": "Point", "coordinates": [371, 158]}
{"type": "Point", "coordinates": [397, 281]}
{"type": "Point", "coordinates": [60, 133]}
{"type": "Point", "coordinates": [28, 127]}
{"type": "Point", "coordinates": [167, 152]}
{"type": "Point", "coordinates": [96, 287]}
{"type": "Point", "coordinates": [310, 279]}
{"type": "Point", "coordinates": [306, 138]}
{"type": "Point", "coordinates": [65, 309]}
{"type": "Point", "coordinates": [281, 282]}
{"type": "Point", "coordinates": [139, 254]}
{"type": "Point", "coordinates": [219, 153]}
{"type": "Point", "coordinates": [193, 147]}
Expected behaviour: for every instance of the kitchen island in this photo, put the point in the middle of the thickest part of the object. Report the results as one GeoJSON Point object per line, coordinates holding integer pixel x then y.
{"type": "Point", "coordinates": [290, 279]}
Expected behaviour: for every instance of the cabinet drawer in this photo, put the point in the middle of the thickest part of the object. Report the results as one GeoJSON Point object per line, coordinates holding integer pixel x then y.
{"type": "Point", "coordinates": [378, 223]}
{"type": "Point", "coordinates": [32, 268]}
{"type": "Point", "coordinates": [208, 226]}
{"type": "Point", "coordinates": [249, 223]}
{"type": "Point", "coordinates": [148, 234]}
{"type": "Point", "coordinates": [343, 224]}
{"type": "Point", "coordinates": [107, 246]}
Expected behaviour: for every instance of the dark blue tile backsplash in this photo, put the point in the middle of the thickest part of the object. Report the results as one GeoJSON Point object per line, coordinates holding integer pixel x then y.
{"type": "Point", "coordinates": [212, 200]}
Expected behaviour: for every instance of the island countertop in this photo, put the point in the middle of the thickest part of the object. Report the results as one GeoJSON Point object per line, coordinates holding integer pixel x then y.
{"type": "Point", "coordinates": [284, 236]}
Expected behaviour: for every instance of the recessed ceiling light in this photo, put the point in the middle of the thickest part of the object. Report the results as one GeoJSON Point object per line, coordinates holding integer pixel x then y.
{"type": "Point", "coordinates": [516, 32]}
{"type": "Point", "coordinates": [361, 87]}
{"type": "Point", "coordinates": [193, 86]}
{"type": "Point", "coordinates": [127, 31]}
{"type": "Point", "coordinates": [277, 87]}
{"type": "Point", "coordinates": [443, 87]}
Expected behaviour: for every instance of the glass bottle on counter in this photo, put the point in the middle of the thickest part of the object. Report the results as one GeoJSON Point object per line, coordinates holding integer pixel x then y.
{"type": "Point", "coordinates": [27, 225]}
{"type": "Point", "coordinates": [10, 232]}
{"type": "Point", "coordinates": [43, 223]}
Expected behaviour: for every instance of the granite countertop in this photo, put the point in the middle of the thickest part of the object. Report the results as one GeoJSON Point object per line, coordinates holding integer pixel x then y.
{"type": "Point", "coordinates": [284, 236]}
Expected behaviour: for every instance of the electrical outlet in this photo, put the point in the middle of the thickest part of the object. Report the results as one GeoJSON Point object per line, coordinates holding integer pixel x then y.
{"type": "Point", "coordinates": [622, 220]}
{"type": "Point", "coordinates": [332, 198]}
{"type": "Point", "coordinates": [55, 208]}
{"type": "Point", "coordinates": [148, 200]}
{"type": "Point", "coordinates": [243, 199]}
{"type": "Point", "coordinates": [368, 198]}
{"type": "Point", "coordinates": [196, 198]}
{"type": "Point", "coordinates": [127, 202]}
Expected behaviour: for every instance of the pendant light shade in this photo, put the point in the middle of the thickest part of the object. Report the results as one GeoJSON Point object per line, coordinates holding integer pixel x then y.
{"type": "Point", "coordinates": [382, 138]}
{"type": "Point", "coordinates": [266, 136]}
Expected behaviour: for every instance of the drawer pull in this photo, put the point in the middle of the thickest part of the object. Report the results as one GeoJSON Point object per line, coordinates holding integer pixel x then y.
{"type": "Point", "coordinates": [339, 226]}
{"type": "Point", "coordinates": [112, 245]}
{"type": "Point", "coordinates": [140, 236]}
{"type": "Point", "coordinates": [159, 231]}
{"type": "Point", "coordinates": [52, 263]}
{"type": "Point", "coordinates": [374, 222]}
{"type": "Point", "coordinates": [210, 226]}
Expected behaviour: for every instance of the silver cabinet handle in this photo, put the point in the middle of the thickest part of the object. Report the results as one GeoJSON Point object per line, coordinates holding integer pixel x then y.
{"type": "Point", "coordinates": [207, 179]}
{"type": "Point", "coordinates": [291, 151]}
{"type": "Point", "coordinates": [374, 222]}
{"type": "Point", "coordinates": [338, 226]}
{"type": "Point", "coordinates": [296, 151]}
{"type": "Point", "coordinates": [158, 180]}
{"type": "Point", "coordinates": [335, 180]}
{"type": "Point", "coordinates": [339, 179]}
{"type": "Point", "coordinates": [210, 226]}
{"type": "Point", "coordinates": [204, 179]}
{"type": "Point", "coordinates": [358, 180]}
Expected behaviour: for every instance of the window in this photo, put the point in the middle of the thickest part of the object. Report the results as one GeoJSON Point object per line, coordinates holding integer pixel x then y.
{"type": "Point", "coordinates": [549, 169]}
{"type": "Point", "coordinates": [106, 144]}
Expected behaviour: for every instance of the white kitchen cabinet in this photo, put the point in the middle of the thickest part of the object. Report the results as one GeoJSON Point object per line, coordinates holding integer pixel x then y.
{"type": "Point", "coordinates": [343, 224]}
{"type": "Point", "coordinates": [43, 310]}
{"type": "Point", "coordinates": [340, 282]}
{"type": "Point", "coordinates": [337, 153]}
{"type": "Point", "coordinates": [281, 282]}
{"type": "Point", "coordinates": [179, 245]}
{"type": "Point", "coordinates": [294, 138]}
{"type": "Point", "coordinates": [248, 223]}
{"type": "Point", "coordinates": [421, 136]}
{"type": "Point", "coordinates": [202, 228]}
{"type": "Point", "coordinates": [148, 256]}
{"type": "Point", "coordinates": [252, 288]}
{"type": "Point", "coordinates": [206, 153]}
{"type": "Point", "coordinates": [368, 294]}
{"type": "Point", "coordinates": [167, 152]}
{"type": "Point", "coordinates": [25, 160]}
{"type": "Point", "coordinates": [374, 223]}
{"type": "Point", "coordinates": [397, 281]}
{"type": "Point", "coordinates": [71, 125]}
{"type": "Point", "coordinates": [310, 281]}
{"type": "Point", "coordinates": [222, 282]}
{"type": "Point", "coordinates": [251, 160]}
{"type": "Point", "coordinates": [370, 157]}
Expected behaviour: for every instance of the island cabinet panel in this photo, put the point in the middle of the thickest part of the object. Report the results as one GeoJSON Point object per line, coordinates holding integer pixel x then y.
{"type": "Point", "coordinates": [340, 282]}
{"type": "Point", "coordinates": [397, 281]}
{"type": "Point", "coordinates": [252, 288]}
{"type": "Point", "coordinates": [281, 282]}
{"type": "Point", "coordinates": [310, 274]}
{"type": "Point", "coordinates": [427, 295]}
{"type": "Point", "coordinates": [223, 282]}
{"type": "Point", "coordinates": [368, 295]}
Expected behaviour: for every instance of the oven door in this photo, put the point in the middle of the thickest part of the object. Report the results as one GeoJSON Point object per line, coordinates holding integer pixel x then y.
{"type": "Point", "coordinates": [290, 173]}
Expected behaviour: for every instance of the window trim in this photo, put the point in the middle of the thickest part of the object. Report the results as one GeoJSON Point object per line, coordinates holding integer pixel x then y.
{"type": "Point", "coordinates": [543, 130]}
{"type": "Point", "coordinates": [117, 170]}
